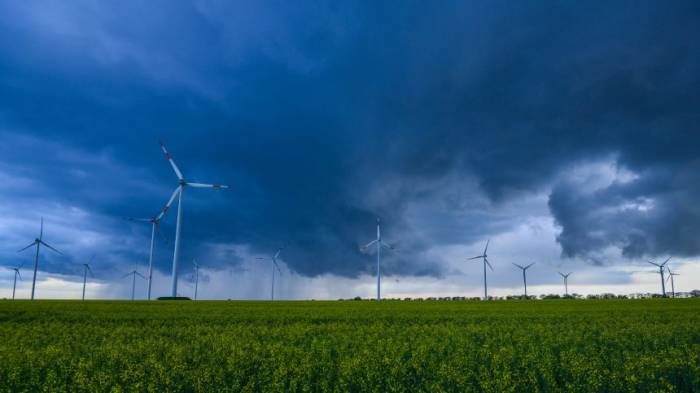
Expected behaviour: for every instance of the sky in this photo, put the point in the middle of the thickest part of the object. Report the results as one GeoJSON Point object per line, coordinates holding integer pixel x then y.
{"type": "Point", "coordinates": [565, 132]}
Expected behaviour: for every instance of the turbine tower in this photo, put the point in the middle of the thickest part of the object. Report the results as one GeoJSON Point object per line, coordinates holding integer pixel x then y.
{"type": "Point", "coordinates": [196, 277]}
{"type": "Point", "coordinates": [670, 276]}
{"type": "Point", "coordinates": [486, 262]}
{"type": "Point", "coordinates": [133, 273]}
{"type": "Point", "coordinates": [180, 189]}
{"type": "Point", "coordinates": [14, 283]}
{"type": "Point", "coordinates": [661, 272]}
{"type": "Point", "coordinates": [274, 266]}
{"type": "Point", "coordinates": [85, 273]}
{"type": "Point", "coordinates": [379, 243]}
{"type": "Point", "coordinates": [38, 242]}
{"type": "Point", "coordinates": [524, 269]}
{"type": "Point", "coordinates": [155, 227]}
{"type": "Point", "coordinates": [566, 282]}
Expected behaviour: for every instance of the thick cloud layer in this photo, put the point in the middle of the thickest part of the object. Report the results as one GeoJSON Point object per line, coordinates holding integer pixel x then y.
{"type": "Point", "coordinates": [326, 116]}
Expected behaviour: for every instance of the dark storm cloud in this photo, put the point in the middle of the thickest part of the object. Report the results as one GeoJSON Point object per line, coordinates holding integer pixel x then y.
{"type": "Point", "coordinates": [652, 215]}
{"type": "Point", "coordinates": [325, 116]}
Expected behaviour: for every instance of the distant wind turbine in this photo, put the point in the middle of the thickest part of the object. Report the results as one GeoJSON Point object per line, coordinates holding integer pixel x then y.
{"type": "Point", "coordinates": [566, 282]}
{"type": "Point", "coordinates": [14, 283]}
{"type": "Point", "coordinates": [180, 189]}
{"type": "Point", "coordinates": [486, 262]}
{"type": "Point", "coordinates": [274, 266]}
{"type": "Point", "coordinates": [155, 227]}
{"type": "Point", "coordinates": [524, 269]}
{"type": "Point", "coordinates": [38, 242]}
{"type": "Point", "coordinates": [85, 273]}
{"type": "Point", "coordinates": [661, 272]}
{"type": "Point", "coordinates": [133, 273]}
{"type": "Point", "coordinates": [380, 243]}
{"type": "Point", "coordinates": [670, 275]}
{"type": "Point", "coordinates": [196, 278]}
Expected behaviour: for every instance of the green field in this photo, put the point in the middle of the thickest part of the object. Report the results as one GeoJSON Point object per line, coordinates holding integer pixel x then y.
{"type": "Point", "coordinates": [514, 346]}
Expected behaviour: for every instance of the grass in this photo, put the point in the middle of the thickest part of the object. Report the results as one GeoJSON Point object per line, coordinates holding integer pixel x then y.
{"type": "Point", "coordinates": [515, 346]}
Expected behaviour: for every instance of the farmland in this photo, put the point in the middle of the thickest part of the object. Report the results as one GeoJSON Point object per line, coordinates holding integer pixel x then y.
{"type": "Point", "coordinates": [348, 346]}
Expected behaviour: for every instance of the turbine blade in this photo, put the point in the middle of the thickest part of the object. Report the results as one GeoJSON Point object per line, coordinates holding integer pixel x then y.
{"type": "Point", "coordinates": [33, 243]}
{"type": "Point", "coordinates": [169, 157]}
{"type": "Point", "coordinates": [277, 266]}
{"type": "Point", "coordinates": [518, 266]}
{"type": "Point", "coordinates": [41, 231]}
{"type": "Point", "coordinates": [366, 246]}
{"type": "Point", "coordinates": [666, 261]}
{"type": "Point", "coordinates": [388, 246]}
{"type": "Point", "coordinates": [202, 185]}
{"type": "Point", "coordinates": [139, 219]}
{"type": "Point", "coordinates": [168, 204]}
{"type": "Point", "coordinates": [19, 275]}
{"type": "Point", "coordinates": [277, 254]}
{"type": "Point", "coordinates": [487, 246]}
{"type": "Point", "coordinates": [44, 243]}
{"type": "Point", "coordinates": [528, 266]}
{"type": "Point", "coordinates": [476, 257]}
{"type": "Point", "coordinates": [654, 263]}
{"type": "Point", "coordinates": [140, 275]}
{"type": "Point", "coordinates": [488, 263]}
{"type": "Point", "coordinates": [127, 274]}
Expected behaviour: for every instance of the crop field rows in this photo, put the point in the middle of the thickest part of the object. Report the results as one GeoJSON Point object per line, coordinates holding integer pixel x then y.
{"type": "Point", "coordinates": [346, 346]}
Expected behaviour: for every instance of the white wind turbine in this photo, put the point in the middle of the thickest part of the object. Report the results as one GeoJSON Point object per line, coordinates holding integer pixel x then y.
{"type": "Point", "coordinates": [566, 282]}
{"type": "Point", "coordinates": [486, 262]}
{"type": "Point", "coordinates": [196, 278]}
{"type": "Point", "coordinates": [180, 189]}
{"type": "Point", "coordinates": [133, 273]}
{"type": "Point", "coordinates": [86, 270]}
{"type": "Point", "coordinates": [274, 266]}
{"type": "Point", "coordinates": [670, 276]}
{"type": "Point", "coordinates": [661, 272]}
{"type": "Point", "coordinates": [524, 269]}
{"type": "Point", "coordinates": [38, 242]}
{"type": "Point", "coordinates": [14, 283]}
{"type": "Point", "coordinates": [155, 227]}
{"type": "Point", "coordinates": [380, 243]}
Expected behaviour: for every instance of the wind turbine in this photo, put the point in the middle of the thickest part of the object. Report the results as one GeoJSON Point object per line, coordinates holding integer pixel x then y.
{"type": "Point", "coordinates": [180, 189]}
{"type": "Point", "coordinates": [670, 275]}
{"type": "Point", "coordinates": [196, 278]}
{"type": "Point", "coordinates": [14, 284]}
{"type": "Point", "coordinates": [380, 243]}
{"type": "Point", "coordinates": [85, 273]}
{"type": "Point", "coordinates": [274, 266]}
{"type": "Point", "coordinates": [38, 242]}
{"type": "Point", "coordinates": [133, 273]}
{"type": "Point", "coordinates": [524, 269]}
{"type": "Point", "coordinates": [566, 282]}
{"type": "Point", "coordinates": [661, 272]}
{"type": "Point", "coordinates": [486, 262]}
{"type": "Point", "coordinates": [155, 227]}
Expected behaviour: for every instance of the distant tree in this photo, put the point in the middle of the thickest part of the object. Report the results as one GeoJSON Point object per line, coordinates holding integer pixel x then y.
{"type": "Point", "coordinates": [550, 296]}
